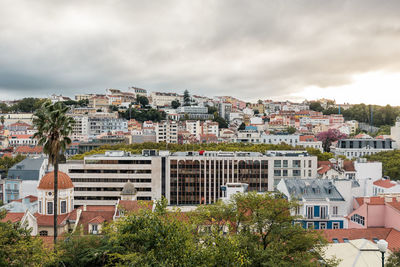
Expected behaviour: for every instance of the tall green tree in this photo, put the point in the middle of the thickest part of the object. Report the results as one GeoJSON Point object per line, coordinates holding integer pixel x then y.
{"type": "Point", "coordinates": [186, 98]}
{"type": "Point", "coordinates": [53, 128]}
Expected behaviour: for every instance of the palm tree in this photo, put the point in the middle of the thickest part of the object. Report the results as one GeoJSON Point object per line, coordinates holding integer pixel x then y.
{"type": "Point", "coordinates": [53, 128]}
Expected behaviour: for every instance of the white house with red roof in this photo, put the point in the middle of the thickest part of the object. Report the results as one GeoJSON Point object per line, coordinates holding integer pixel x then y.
{"type": "Point", "coordinates": [385, 186]}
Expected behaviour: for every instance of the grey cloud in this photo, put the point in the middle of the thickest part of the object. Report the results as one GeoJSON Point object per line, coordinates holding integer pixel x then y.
{"type": "Point", "coordinates": [249, 49]}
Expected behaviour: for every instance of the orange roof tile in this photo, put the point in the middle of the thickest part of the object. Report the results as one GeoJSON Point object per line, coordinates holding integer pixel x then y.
{"type": "Point", "coordinates": [385, 183]}
{"type": "Point", "coordinates": [31, 199]}
{"type": "Point", "coordinates": [348, 165]}
{"type": "Point", "coordinates": [29, 150]}
{"type": "Point", "coordinates": [135, 205]}
{"type": "Point", "coordinates": [13, 217]}
{"type": "Point", "coordinates": [98, 219]}
{"type": "Point", "coordinates": [47, 182]}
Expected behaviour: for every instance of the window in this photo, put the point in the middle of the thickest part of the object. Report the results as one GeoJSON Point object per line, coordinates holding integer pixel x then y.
{"type": "Point", "coordinates": [296, 173]}
{"type": "Point", "coordinates": [285, 172]}
{"type": "Point", "coordinates": [310, 212]}
{"type": "Point", "coordinates": [335, 225]}
{"type": "Point", "coordinates": [375, 240]}
{"type": "Point", "coordinates": [335, 240]}
{"type": "Point", "coordinates": [277, 163]}
{"type": "Point", "coordinates": [296, 163]}
{"type": "Point", "coordinates": [322, 225]}
{"type": "Point", "coordinates": [310, 225]}
{"type": "Point", "coordinates": [309, 163]}
{"type": "Point", "coordinates": [335, 210]}
{"type": "Point", "coordinates": [63, 206]}
{"type": "Point", "coordinates": [358, 219]}
{"type": "Point", "coordinates": [43, 233]}
{"type": "Point", "coordinates": [285, 164]}
{"type": "Point", "coordinates": [323, 212]}
{"type": "Point", "coordinates": [277, 172]}
{"type": "Point", "coordinates": [49, 207]}
{"type": "Point", "coordinates": [345, 240]}
{"type": "Point", "coordinates": [94, 228]}
{"type": "Point", "coordinates": [309, 173]}
{"type": "Point", "coordinates": [40, 206]}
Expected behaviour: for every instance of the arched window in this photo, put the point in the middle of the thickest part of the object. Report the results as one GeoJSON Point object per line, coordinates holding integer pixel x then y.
{"type": "Point", "coordinates": [43, 233]}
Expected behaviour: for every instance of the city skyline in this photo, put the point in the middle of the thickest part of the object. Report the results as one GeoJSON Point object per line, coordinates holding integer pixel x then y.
{"type": "Point", "coordinates": [341, 50]}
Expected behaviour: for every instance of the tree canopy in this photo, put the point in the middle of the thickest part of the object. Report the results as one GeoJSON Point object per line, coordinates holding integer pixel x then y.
{"type": "Point", "coordinates": [250, 230]}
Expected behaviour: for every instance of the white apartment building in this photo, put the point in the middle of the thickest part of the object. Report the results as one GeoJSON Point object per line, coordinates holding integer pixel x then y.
{"type": "Point", "coordinates": [248, 136]}
{"type": "Point", "coordinates": [314, 121]}
{"type": "Point", "coordinates": [167, 131]}
{"type": "Point", "coordinates": [355, 148]}
{"type": "Point", "coordinates": [22, 140]}
{"type": "Point", "coordinates": [395, 133]}
{"type": "Point", "coordinates": [194, 127]}
{"type": "Point", "coordinates": [99, 179]}
{"type": "Point", "coordinates": [210, 127]}
{"type": "Point", "coordinates": [160, 99]}
{"type": "Point", "coordinates": [276, 139]}
{"type": "Point", "coordinates": [80, 129]}
{"type": "Point", "coordinates": [17, 117]}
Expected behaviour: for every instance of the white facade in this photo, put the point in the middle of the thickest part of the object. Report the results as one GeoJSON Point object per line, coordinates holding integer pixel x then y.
{"type": "Point", "coordinates": [167, 131]}
{"type": "Point", "coordinates": [99, 179]}
{"type": "Point", "coordinates": [395, 133]}
{"type": "Point", "coordinates": [276, 139]}
{"type": "Point", "coordinates": [160, 99]}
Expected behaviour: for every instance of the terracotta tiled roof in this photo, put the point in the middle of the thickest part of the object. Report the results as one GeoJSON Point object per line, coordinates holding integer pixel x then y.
{"type": "Point", "coordinates": [395, 205]}
{"type": "Point", "coordinates": [385, 183]}
{"type": "Point", "coordinates": [48, 220]}
{"type": "Point", "coordinates": [360, 200]}
{"type": "Point", "coordinates": [21, 136]}
{"type": "Point", "coordinates": [47, 182]}
{"type": "Point", "coordinates": [391, 235]}
{"type": "Point", "coordinates": [394, 240]}
{"type": "Point", "coordinates": [135, 205]}
{"type": "Point", "coordinates": [87, 216]}
{"type": "Point", "coordinates": [99, 208]}
{"type": "Point", "coordinates": [307, 138]}
{"type": "Point", "coordinates": [31, 199]}
{"type": "Point", "coordinates": [98, 219]}
{"type": "Point", "coordinates": [13, 217]}
{"type": "Point", "coordinates": [348, 166]}
{"type": "Point", "coordinates": [29, 150]}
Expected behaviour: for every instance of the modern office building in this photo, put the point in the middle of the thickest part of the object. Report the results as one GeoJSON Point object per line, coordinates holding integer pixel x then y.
{"type": "Point", "coordinates": [99, 179]}
{"type": "Point", "coordinates": [184, 178]}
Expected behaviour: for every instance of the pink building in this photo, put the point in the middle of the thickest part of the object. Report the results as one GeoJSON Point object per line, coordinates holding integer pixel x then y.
{"type": "Point", "coordinates": [379, 211]}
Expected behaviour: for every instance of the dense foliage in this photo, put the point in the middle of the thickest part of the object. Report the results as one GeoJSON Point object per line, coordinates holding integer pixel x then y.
{"type": "Point", "coordinates": [7, 162]}
{"type": "Point", "coordinates": [19, 248]}
{"type": "Point", "coordinates": [381, 115]}
{"type": "Point", "coordinates": [390, 163]}
{"type": "Point", "coordinates": [144, 115]}
{"type": "Point", "coordinates": [27, 105]}
{"type": "Point", "coordinates": [137, 148]}
{"type": "Point", "coordinates": [250, 230]}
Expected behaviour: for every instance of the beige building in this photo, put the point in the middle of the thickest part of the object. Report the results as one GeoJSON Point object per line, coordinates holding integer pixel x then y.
{"type": "Point", "coordinates": [167, 131]}
{"type": "Point", "coordinates": [99, 179]}
{"type": "Point", "coordinates": [99, 102]}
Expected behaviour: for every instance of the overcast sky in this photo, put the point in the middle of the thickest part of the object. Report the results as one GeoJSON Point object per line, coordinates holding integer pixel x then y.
{"type": "Point", "coordinates": [347, 50]}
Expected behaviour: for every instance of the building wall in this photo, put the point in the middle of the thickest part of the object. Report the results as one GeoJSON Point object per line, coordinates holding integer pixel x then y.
{"type": "Point", "coordinates": [392, 218]}
{"type": "Point", "coordinates": [101, 183]}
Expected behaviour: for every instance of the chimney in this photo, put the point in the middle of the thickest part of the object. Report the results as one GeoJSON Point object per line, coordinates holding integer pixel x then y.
{"type": "Point", "coordinates": [84, 207]}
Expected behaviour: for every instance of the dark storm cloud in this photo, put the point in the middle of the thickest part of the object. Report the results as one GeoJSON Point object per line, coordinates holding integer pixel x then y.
{"type": "Point", "coordinates": [263, 48]}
